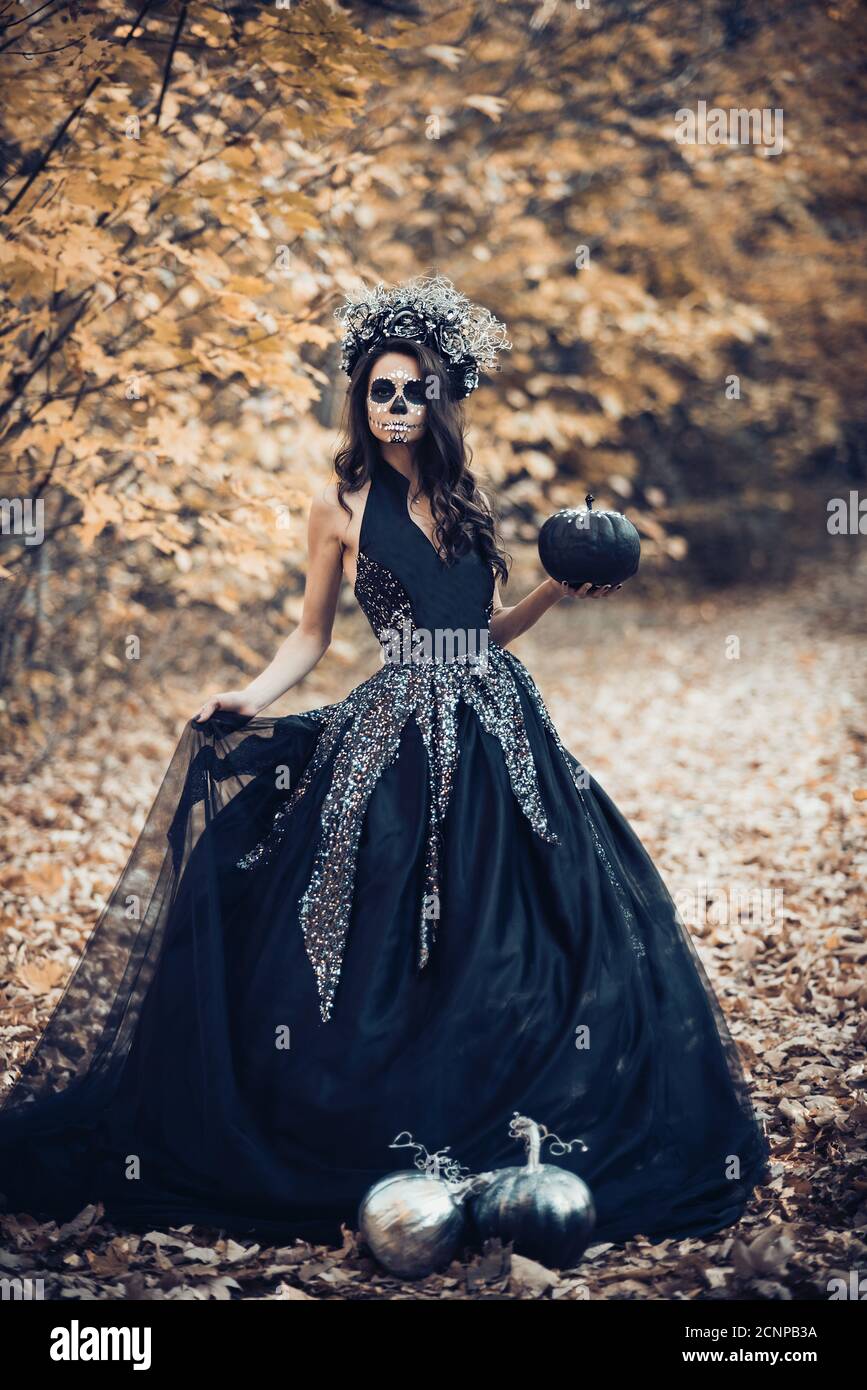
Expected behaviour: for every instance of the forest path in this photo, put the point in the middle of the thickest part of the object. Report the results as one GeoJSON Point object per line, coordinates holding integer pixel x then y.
{"type": "Point", "coordinates": [732, 731]}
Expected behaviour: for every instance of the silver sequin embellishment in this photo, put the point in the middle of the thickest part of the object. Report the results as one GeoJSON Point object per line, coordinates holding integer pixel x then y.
{"type": "Point", "coordinates": [577, 773]}
{"type": "Point", "coordinates": [364, 732]}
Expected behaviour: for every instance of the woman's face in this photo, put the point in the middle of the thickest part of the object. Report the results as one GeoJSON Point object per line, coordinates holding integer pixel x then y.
{"type": "Point", "coordinates": [396, 401]}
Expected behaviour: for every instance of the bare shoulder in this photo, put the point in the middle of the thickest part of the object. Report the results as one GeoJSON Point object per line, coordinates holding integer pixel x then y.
{"type": "Point", "coordinates": [326, 511]}
{"type": "Point", "coordinates": [328, 517]}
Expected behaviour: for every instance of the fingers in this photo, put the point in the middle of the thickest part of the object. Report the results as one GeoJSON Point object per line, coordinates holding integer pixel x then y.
{"type": "Point", "coordinates": [207, 710]}
{"type": "Point", "coordinates": [589, 590]}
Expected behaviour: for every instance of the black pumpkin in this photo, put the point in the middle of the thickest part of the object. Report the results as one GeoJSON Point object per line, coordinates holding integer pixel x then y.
{"type": "Point", "coordinates": [546, 1212]}
{"type": "Point", "coordinates": [580, 546]}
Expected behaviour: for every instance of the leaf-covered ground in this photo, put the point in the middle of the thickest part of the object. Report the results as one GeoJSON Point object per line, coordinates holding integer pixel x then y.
{"type": "Point", "coordinates": [731, 731]}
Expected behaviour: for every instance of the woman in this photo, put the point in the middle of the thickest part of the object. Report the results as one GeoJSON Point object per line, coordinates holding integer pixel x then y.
{"type": "Point", "coordinates": [410, 910]}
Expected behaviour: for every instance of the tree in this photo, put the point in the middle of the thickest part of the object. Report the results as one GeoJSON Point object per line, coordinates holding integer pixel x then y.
{"type": "Point", "coordinates": [189, 190]}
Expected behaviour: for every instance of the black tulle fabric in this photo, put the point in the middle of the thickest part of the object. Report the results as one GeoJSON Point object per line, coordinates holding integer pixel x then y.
{"type": "Point", "coordinates": [194, 1070]}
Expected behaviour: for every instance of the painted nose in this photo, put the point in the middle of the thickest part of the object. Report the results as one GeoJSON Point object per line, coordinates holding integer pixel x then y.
{"type": "Point", "coordinates": [398, 406]}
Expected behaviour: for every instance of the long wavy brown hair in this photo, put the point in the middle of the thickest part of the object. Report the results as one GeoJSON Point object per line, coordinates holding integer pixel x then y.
{"type": "Point", "coordinates": [462, 517]}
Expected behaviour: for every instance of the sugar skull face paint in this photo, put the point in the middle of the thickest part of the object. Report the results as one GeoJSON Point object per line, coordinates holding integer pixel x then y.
{"type": "Point", "coordinates": [396, 400]}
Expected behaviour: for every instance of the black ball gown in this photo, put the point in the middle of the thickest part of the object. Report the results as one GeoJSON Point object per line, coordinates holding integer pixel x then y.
{"type": "Point", "coordinates": [409, 910]}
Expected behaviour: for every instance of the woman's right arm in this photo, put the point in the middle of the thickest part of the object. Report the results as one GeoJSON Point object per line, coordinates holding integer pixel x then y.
{"type": "Point", "coordinates": [306, 646]}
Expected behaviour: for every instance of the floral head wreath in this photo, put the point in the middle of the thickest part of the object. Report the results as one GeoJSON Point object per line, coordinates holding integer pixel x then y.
{"type": "Point", "coordinates": [429, 310]}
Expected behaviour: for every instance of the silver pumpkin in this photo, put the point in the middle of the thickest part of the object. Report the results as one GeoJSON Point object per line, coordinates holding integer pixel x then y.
{"type": "Point", "coordinates": [546, 1212]}
{"type": "Point", "coordinates": [413, 1223]}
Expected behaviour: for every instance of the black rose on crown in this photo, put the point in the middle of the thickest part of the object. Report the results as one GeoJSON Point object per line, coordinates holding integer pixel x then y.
{"type": "Point", "coordinates": [426, 310]}
{"type": "Point", "coordinates": [406, 323]}
{"type": "Point", "coordinates": [451, 342]}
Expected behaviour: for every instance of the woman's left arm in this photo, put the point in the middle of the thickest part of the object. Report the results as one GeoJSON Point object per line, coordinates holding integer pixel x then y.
{"type": "Point", "coordinates": [508, 623]}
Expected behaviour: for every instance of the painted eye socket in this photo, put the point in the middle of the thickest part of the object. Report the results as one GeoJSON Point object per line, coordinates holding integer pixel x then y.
{"type": "Point", "coordinates": [383, 389]}
{"type": "Point", "coordinates": [413, 390]}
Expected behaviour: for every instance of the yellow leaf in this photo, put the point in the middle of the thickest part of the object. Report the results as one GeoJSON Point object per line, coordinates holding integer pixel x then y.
{"type": "Point", "coordinates": [40, 977]}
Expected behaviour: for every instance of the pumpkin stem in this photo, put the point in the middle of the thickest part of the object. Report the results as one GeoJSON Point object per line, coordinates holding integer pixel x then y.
{"type": "Point", "coordinates": [535, 1149]}
{"type": "Point", "coordinates": [534, 1136]}
{"type": "Point", "coordinates": [522, 1127]}
{"type": "Point", "coordinates": [437, 1165]}
{"type": "Point", "coordinates": [589, 499]}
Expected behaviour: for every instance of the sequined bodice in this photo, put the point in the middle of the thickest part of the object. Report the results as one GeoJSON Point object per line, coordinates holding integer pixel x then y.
{"type": "Point", "coordinates": [401, 577]}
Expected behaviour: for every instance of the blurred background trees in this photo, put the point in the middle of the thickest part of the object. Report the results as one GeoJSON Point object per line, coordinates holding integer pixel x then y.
{"type": "Point", "coordinates": [188, 189]}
